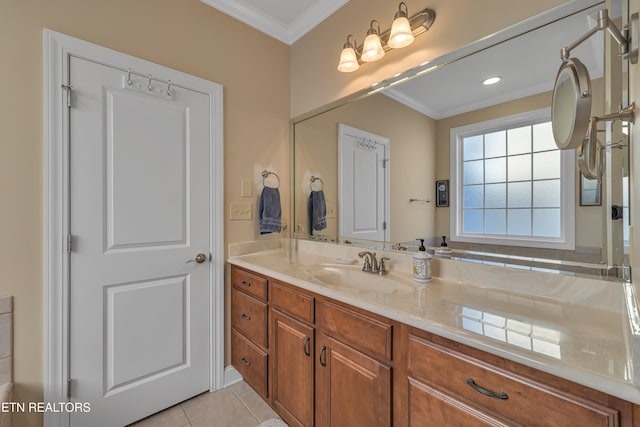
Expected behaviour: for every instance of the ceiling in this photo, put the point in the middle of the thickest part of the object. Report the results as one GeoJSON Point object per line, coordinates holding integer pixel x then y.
{"type": "Point", "coordinates": [285, 20]}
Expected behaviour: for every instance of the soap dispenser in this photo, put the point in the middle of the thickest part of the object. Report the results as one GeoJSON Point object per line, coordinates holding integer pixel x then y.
{"type": "Point", "coordinates": [422, 264]}
{"type": "Point", "coordinates": [444, 249]}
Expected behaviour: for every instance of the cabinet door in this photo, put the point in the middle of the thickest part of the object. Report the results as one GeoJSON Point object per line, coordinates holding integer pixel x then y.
{"type": "Point", "coordinates": [293, 382]}
{"type": "Point", "coordinates": [352, 389]}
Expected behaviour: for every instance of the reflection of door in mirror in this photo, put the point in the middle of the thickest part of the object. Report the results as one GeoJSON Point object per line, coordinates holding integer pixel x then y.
{"type": "Point", "coordinates": [363, 182]}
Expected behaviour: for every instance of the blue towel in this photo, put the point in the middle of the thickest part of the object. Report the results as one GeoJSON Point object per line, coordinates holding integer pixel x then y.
{"type": "Point", "coordinates": [270, 211]}
{"type": "Point", "coordinates": [317, 211]}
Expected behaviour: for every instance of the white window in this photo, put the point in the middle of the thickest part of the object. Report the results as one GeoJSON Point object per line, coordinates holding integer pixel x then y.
{"type": "Point", "coordinates": [511, 185]}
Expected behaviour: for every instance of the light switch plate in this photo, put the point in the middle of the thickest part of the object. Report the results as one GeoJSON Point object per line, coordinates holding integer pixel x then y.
{"type": "Point", "coordinates": [246, 188]}
{"type": "Point", "coordinates": [331, 211]}
{"type": "Point", "coordinates": [240, 211]}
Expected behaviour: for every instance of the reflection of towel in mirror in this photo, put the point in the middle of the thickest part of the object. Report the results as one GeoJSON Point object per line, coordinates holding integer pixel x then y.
{"type": "Point", "coordinates": [270, 211]}
{"type": "Point", "coordinates": [317, 211]}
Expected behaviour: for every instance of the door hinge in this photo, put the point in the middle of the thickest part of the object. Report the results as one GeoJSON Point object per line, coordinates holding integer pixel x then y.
{"type": "Point", "coordinates": [69, 384]}
{"type": "Point", "coordinates": [384, 225]}
{"type": "Point", "coordinates": [67, 89]}
{"type": "Point", "coordinates": [69, 242]}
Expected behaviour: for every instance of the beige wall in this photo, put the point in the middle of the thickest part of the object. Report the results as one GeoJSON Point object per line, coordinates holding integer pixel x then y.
{"type": "Point", "coordinates": [315, 81]}
{"type": "Point", "coordinates": [590, 216]}
{"type": "Point", "coordinates": [183, 34]}
{"type": "Point", "coordinates": [412, 166]}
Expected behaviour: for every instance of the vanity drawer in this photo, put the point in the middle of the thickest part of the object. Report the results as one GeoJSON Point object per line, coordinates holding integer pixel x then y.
{"type": "Point", "coordinates": [527, 402]}
{"type": "Point", "coordinates": [249, 316]}
{"type": "Point", "coordinates": [294, 303]}
{"type": "Point", "coordinates": [249, 282]}
{"type": "Point", "coordinates": [368, 334]}
{"type": "Point", "coordinates": [250, 361]}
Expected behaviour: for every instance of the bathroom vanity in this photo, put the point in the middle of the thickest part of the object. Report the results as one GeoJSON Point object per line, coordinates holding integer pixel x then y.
{"type": "Point", "coordinates": [327, 344]}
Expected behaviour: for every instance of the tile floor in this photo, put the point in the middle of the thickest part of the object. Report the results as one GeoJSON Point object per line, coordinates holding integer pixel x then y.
{"type": "Point", "coordinates": [235, 406]}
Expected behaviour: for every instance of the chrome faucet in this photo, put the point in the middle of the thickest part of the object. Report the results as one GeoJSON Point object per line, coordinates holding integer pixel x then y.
{"type": "Point", "coordinates": [371, 265]}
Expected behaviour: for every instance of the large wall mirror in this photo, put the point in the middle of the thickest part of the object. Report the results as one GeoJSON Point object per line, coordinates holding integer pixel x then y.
{"type": "Point", "coordinates": [376, 159]}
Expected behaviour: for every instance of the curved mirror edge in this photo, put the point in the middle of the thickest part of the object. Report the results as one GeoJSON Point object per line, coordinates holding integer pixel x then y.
{"type": "Point", "coordinates": [604, 270]}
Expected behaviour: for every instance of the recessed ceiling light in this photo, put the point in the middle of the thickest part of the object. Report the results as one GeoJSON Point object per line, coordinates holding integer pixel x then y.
{"type": "Point", "coordinates": [491, 80]}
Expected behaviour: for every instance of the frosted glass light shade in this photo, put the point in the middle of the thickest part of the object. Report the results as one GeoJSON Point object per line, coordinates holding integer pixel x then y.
{"type": "Point", "coordinates": [348, 60]}
{"type": "Point", "coordinates": [401, 35]}
{"type": "Point", "coordinates": [372, 49]}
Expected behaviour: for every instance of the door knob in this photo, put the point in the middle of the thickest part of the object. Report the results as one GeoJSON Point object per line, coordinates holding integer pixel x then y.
{"type": "Point", "coordinates": [200, 258]}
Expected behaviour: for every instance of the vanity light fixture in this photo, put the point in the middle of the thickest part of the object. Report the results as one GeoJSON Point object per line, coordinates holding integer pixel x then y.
{"type": "Point", "coordinates": [372, 49]}
{"type": "Point", "coordinates": [401, 34]}
{"type": "Point", "coordinates": [348, 59]}
{"type": "Point", "coordinates": [491, 80]}
{"type": "Point", "coordinates": [403, 31]}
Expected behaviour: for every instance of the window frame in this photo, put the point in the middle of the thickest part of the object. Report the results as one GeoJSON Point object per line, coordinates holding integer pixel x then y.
{"type": "Point", "coordinates": [567, 186]}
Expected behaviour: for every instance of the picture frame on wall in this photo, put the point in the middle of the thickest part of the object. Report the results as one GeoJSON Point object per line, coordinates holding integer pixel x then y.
{"type": "Point", "coordinates": [442, 193]}
{"type": "Point", "coordinates": [590, 192]}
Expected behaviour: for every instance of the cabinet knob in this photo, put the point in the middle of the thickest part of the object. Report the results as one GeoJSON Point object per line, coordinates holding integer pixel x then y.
{"type": "Point", "coordinates": [245, 362]}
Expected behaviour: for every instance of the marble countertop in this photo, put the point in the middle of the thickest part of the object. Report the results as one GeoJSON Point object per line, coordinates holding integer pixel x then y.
{"type": "Point", "coordinates": [578, 330]}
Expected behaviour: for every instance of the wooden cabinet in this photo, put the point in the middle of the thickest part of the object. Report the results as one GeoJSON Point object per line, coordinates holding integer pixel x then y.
{"type": "Point", "coordinates": [249, 317]}
{"type": "Point", "coordinates": [251, 361]}
{"type": "Point", "coordinates": [249, 328]}
{"type": "Point", "coordinates": [352, 388]}
{"type": "Point", "coordinates": [353, 367]}
{"type": "Point", "coordinates": [293, 346]}
{"type": "Point", "coordinates": [474, 388]}
{"type": "Point", "coordinates": [321, 362]}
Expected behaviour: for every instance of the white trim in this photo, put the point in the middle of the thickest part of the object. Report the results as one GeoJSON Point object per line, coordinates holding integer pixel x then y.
{"type": "Point", "coordinates": [57, 49]}
{"type": "Point", "coordinates": [346, 130]}
{"type": "Point", "coordinates": [231, 376]}
{"type": "Point", "coordinates": [567, 199]}
{"type": "Point", "coordinates": [270, 25]}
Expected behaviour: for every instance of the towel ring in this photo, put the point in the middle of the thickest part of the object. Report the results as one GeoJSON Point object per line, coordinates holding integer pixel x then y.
{"type": "Point", "coordinates": [265, 174]}
{"type": "Point", "coordinates": [314, 179]}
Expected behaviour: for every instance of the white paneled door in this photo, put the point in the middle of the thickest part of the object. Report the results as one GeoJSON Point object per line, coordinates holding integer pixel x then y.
{"type": "Point", "coordinates": [363, 177]}
{"type": "Point", "coordinates": [140, 224]}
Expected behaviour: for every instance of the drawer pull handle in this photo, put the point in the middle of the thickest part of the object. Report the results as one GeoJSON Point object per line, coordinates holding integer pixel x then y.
{"type": "Point", "coordinates": [245, 283]}
{"type": "Point", "coordinates": [305, 346]}
{"type": "Point", "coordinates": [245, 362]}
{"type": "Point", "coordinates": [485, 391]}
{"type": "Point", "coordinates": [245, 317]}
{"type": "Point", "coordinates": [323, 359]}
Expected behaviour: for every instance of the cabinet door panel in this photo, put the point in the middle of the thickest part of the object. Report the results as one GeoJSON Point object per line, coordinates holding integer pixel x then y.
{"type": "Point", "coordinates": [249, 282]}
{"type": "Point", "coordinates": [527, 401]}
{"type": "Point", "coordinates": [352, 388]}
{"type": "Point", "coordinates": [293, 384]}
{"type": "Point", "coordinates": [428, 406]}
{"type": "Point", "coordinates": [250, 361]}
{"type": "Point", "coordinates": [249, 316]}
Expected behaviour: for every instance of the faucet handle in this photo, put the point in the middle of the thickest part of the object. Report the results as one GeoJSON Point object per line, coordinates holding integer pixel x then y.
{"type": "Point", "coordinates": [381, 268]}
{"type": "Point", "coordinates": [366, 265]}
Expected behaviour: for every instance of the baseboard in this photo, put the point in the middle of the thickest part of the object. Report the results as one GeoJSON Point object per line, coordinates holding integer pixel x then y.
{"type": "Point", "coordinates": [231, 376]}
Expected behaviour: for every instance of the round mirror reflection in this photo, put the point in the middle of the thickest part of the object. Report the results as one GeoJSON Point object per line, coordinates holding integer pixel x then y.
{"type": "Point", "coordinates": [571, 105]}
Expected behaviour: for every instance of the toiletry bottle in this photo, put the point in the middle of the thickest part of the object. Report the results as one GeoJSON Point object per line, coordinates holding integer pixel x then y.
{"type": "Point", "coordinates": [422, 264]}
{"type": "Point", "coordinates": [444, 249]}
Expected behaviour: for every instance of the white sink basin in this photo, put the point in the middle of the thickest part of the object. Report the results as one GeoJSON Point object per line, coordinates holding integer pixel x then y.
{"type": "Point", "coordinates": [351, 278]}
